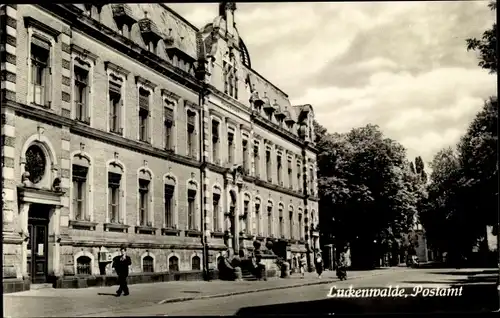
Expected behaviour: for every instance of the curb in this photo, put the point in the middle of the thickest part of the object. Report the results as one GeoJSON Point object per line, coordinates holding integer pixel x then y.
{"type": "Point", "coordinates": [322, 282]}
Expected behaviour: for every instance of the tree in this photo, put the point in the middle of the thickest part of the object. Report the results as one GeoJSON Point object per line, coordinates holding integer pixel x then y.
{"type": "Point", "coordinates": [486, 46]}
{"type": "Point", "coordinates": [365, 189]}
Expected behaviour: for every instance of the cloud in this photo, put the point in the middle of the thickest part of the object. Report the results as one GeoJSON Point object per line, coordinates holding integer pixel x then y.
{"type": "Point", "coordinates": [401, 65]}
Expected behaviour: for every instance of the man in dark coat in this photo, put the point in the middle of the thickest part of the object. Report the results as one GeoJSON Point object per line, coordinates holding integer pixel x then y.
{"type": "Point", "coordinates": [121, 264]}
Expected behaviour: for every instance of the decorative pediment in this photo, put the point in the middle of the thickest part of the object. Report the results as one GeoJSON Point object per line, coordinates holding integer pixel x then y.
{"type": "Point", "coordinates": [83, 55]}
{"type": "Point", "coordinates": [123, 15]}
{"type": "Point", "coordinates": [189, 104]}
{"type": "Point", "coordinates": [116, 68]}
{"type": "Point", "coordinates": [141, 80]}
{"type": "Point", "coordinates": [231, 121]}
{"type": "Point", "coordinates": [267, 104]}
{"type": "Point", "coordinates": [34, 23]}
{"type": "Point", "coordinates": [278, 114]}
{"type": "Point", "coordinates": [245, 128]}
{"type": "Point", "coordinates": [169, 94]}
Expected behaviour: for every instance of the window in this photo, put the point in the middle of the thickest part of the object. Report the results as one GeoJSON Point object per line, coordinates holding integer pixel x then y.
{"type": "Point", "coordinates": [246, 204]}
{"type": "Point", "coordinates": [300, 226]}
{"type": "Point", "coordinates": [269, 220]}
{"type": "Point", "coordinates": [143, 202]}
{"type": "Point", "coordinates": [144, 96]}
{"type": "Point", "coordinates": [81, 94]}
{"type": "Point", "coordinates": [191, 142]}
{"type": "Point", "coordinates": [115, 107]}
{"type": "Point", "coordinates": [169, 124]}
{"type": "Point", "coordinates": [114, 180]}
{"type": "Point", "coordinates": [173, 264]}
{"type": "Point", "coordinates": [256, 158]}
{"type": "Point", "coordinates": [257, 218]}
{"type": "Point", "coordinates": [40, 72]}
{"type": "Point", "coordinates": [216, 211]}
{"type": "Point", "coordinates": [311, 180]}
{"type": "Point", "coordinates": [191, 209]}
{"type": "Point", "coordinates": [169, 205]}
{"type": "Point", "coordinates": [280, 168]}
{"type": "Point", "coordinates": [290, 224]}
{"type": "Point", "coordinates": [215, 141]}
{"type": "Point", "coordinates": [80, 192]}
{"type": "Point", "coordinates": [268, 166]}
{"type": "Point", "coordinates": [245, 154]}
{"type": "Point", "coordinates": [299, 176]}
{"type": "Point", "coordinates": [196, 263]}
{"type": "Point", "coordinates": [290, 174]}
{"type": "Point", "coordinates": [230, 148]}
{"type": "Point", "coordinates": [281, 223]}
{"type": "Point", "coordinates": [148, 264]}
{"type": "Point", "coordinates": [230, 80]}
{"type": "Point", "coordinates": [83, 265]}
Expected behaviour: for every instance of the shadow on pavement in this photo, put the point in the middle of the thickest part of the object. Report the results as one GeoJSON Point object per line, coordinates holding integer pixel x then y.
{"type": "Point", "coordinates": [474, 298]}
{"type": "Point", "coordinates": [470, 273]}
{"type": "Point", "coordinates": [107, 294]}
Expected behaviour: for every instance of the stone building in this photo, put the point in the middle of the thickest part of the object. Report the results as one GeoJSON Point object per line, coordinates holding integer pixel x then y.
{"type": "Point", "coordinates": [125, 124]}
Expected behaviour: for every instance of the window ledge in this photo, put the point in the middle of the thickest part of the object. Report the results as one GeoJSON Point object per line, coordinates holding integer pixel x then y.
{"type": "Point", "coordinates": [302, 241]}
{"type": "Point", "coordinates": [260, 238]}
{"type": "Point", "coordinates": [293, 241]}
{"type": "Point", "coordinates": [82, 225]}
{"type": "Point", "coordinates": [193, 233]}
{"type": "Point", "coordinates": [217, 234]}
{"type": "Point", "coordinates": [141, 229]}
{"type": "Point", "coordinates": [170, 231]}
{"type": "Point", "coordinates": [115, 227]}
{"type": "Point", "coordinates": [39, 105]}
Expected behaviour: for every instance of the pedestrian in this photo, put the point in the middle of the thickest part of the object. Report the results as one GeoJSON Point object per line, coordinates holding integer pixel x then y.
{"type": "Point", "coordinates": [303, 264]}
{"type": "Point", "coordinates": [319, 265]}
{"type": "Point", "coordinates": [121, 265]}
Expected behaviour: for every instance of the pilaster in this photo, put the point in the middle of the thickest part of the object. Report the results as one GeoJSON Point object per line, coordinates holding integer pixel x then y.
{"type": "Point", "coordinates": [9, 191]}
{"type": "Point", "coordinates": [65, 162]}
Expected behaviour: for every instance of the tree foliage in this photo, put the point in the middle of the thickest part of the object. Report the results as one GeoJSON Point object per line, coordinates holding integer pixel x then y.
{"type": "Point", "coordinates": [486, 46]}
{"type": "Point", "coordinates": [366, 187]}
{"type": "Point", "coordinates": [463, 190]}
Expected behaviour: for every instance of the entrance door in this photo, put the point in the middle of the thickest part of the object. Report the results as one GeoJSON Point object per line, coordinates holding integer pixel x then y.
{"type": "Point", "coordinates": [38, 223]}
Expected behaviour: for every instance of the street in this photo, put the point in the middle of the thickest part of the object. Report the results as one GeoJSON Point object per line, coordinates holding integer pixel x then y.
{"type": "Point", "coordinates": [146, 299]}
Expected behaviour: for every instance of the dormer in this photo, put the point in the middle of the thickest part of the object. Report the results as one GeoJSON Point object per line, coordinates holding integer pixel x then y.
{"type": "Point", "coordinates": [289, 121]}
{"type": "Point", "coordinates": [278, 113]}
{"type": "Point", "coordinates": [255, 100]}
{"type": "Point", "coordinates": [150, 33]}
{"type": "Point", "coordinates": [98, 8]}
{"type": "Point", "coordinates": [268, 108]}
{"type": "Point", "coordinates": [124, 18]}
{"type": "Point", "coordinates": [176, 52]}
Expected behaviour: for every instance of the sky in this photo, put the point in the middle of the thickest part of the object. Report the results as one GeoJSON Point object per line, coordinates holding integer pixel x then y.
{"type": "Point", "coordinates": [400, 65]}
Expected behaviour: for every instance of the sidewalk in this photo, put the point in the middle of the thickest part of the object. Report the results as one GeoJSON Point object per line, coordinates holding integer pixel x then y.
{"type": "Point", "coordinates": [74, 302]}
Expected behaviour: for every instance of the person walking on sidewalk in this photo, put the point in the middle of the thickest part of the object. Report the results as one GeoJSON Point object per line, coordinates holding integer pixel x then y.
{"type": "Point", "coordinates": [121, 265]}
{"type": "Point", "coordinates": [319, 264]}
{"type": "Point", "coordinates": [303, 264]}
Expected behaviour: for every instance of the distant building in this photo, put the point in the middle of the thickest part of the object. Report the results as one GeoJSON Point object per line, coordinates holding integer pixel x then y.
{"type": "Point", "coordinates": [125, 124]}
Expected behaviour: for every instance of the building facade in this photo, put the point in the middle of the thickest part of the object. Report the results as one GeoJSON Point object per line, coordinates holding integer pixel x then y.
{"type": "Point", "coordinates": [125, 124]}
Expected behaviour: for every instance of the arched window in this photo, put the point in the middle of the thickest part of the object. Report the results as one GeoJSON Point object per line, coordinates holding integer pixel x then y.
{"type": "Point", "coordinates": [169, 198]}
{"type": "Point", "coordinates": [144, 198]}
{"type": "Point", "coordinates": [290, 224]}
{"type": "Point", "coordinates": [83, 265]}
{"type": "Point", "coordinates": [36, 163]}
{"type": "Point", "coordinates": [115, 173]}
{"type": "Point", "coordinates": [258, 217]}
{"type": "Point", "coordinates": [281, 221]}
{"type": "Point", "coordinates": [173, 264]}
{"type": "Point", "coordinates": [216, 195]}
{"type": "Point", "coordinates": [148, 264]}
{"type": "Point", "coordinates": [80, 182]}
{"type": "Point", "coordinates": [269, 218]}
{"type": "Point", "coordinates": [196, 263]}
